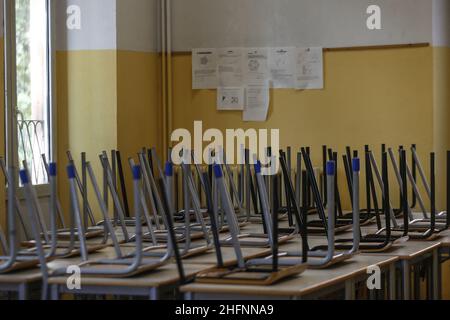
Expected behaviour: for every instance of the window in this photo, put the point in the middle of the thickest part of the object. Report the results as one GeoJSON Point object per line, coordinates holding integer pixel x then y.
{"type": "Point", "coordinates": [32, 56]}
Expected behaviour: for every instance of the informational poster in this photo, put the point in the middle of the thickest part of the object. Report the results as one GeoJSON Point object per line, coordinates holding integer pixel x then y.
{"type": "Point", "coordinates": [256, 66]}
{"type": "Point", "coordinates": [282, 67]}
{"type": "Point", "coordinates": [204, 69]}
{"type": "Point", "coordinates": [309, 68]}
{"type": "Point", "coordinates": [230, 62]}
{"type": "Point", "coordinates": [243, 76]}
{"type": "Point", "coordinates": [230, 98]}
{"type": "Point", "coordinates": [257, 103]}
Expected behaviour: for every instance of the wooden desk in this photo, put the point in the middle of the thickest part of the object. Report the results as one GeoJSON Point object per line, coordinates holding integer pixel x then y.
{"type": "Point", "coordinates": [20, 282]}
{"type": "Point", "coordinates": [147, 285]}
{"type": "Point", "coordinates": [312, 283]}
{"type": "Point", "coordinates": [444, 258]}
{"type": "Point", "coordinates": [445, 240]}
{"type": "Point", "coordinates": [412, 253]}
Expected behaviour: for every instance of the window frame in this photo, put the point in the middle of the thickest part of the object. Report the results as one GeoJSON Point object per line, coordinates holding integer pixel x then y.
{"type": "Point", "coordinates": [11, 112]}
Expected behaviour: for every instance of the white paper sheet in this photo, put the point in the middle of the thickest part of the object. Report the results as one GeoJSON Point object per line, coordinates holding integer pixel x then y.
{"type": "Point", "coordinates": [230, 98]}
{"type": "Point", "coordinates": [229, 68]}
{"type": "Point", "coordinates": [282, 67]}
{"type": "Point", "coordinates": [204, 69]}
{"type": "Point", "coordinates": [257, 103]}
{"type": "Point", "coordinates": [309, 68]}
{"type": "Point", "coordinates": [256, 66]}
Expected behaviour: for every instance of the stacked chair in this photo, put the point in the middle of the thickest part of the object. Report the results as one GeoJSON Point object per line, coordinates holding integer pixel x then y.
{"type": "Point", "coordinates": [180, 212]}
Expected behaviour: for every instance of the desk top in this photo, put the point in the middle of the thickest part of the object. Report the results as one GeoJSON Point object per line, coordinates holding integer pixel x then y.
{"type": "Point", "coordinates": [106, 253]}
{"type": "Point", "coordinates": [33, 275]}
{"type": "Point", "coordinates": [165, 275]}
{"type": "Point", "coordinates": [409, 250]}
{"type": "Point", "coordinates": [27, 276]}
{"type": "Point", "coordinates": [228, 255]}
{"type": "Point", "coordinates": [445, 240]}
{"type": "Point", "coordinates": [306, 283]}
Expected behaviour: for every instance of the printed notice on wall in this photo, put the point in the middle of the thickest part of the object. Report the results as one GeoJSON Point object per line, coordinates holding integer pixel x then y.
{"type": "Point", "coordinates": [257, 103]}
{"type": "Point", "coordinates": [230, 98]}
{"type": "Point", "coordinates": [230, 61]}
{"type": "Point", "coordinates": [281, 67]}
{"type": "Point", "coordinates": [256, 66]}
{"type": "Point", "coordinates": [204, 69]}
{"type": "Point", "coordinates": [309, 68]}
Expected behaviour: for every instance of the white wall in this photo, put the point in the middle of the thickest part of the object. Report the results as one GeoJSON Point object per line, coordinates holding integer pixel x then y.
{"type": "Point", "coordinates": [328, 23]}
{"type": "Point", "coordinates": [1, 19]}
{"type": "Point", "coordinates": [134, 24]}
{"type": "Point", "coordinates": [441, 23]}
{"type": "Point", "coordinates": [109, 24]}
{"type": "Point", "coordinates": [98, 25]}
{"type": "Point", "coordinates": [137, 25]}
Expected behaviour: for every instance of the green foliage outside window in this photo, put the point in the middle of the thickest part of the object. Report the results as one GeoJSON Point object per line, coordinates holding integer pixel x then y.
{"type": "Point", "coordinates": [23, 57]}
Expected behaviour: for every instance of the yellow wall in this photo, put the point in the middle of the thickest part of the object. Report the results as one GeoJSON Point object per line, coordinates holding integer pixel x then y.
{"type": "Point", "coordinates": [441, 72]}
{"type": "Point", "coordinates": [86, 109]}
{"type": "Point", "coordinates": [370, 97]}
{"type": "Point", "coordinates": [106, 100]}
{"type": "Point", "coordinates": [442, 131]}
{"type": "Point", "coordinates": [137, 106]}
